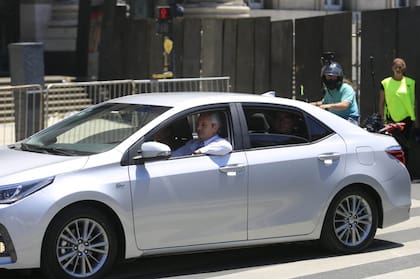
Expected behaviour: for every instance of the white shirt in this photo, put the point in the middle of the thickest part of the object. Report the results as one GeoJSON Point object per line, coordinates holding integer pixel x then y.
{"type": "Point", "coordinates": [215, 145]}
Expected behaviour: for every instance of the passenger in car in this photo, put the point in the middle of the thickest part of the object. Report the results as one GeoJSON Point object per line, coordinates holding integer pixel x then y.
{"type": "Point", "coordinates": [209, 141]}
{"type": "Point", "coordinates": [284, 123]}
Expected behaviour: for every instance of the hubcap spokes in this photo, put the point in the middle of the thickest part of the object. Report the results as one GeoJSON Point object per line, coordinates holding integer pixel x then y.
{"type": "Point", "coordinates": [353, 220]}
{"type": "Point", "coordinates": [82, 248]}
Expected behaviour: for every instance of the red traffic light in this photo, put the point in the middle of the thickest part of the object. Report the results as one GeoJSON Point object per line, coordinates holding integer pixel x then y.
{"type": "Point", "coordinates": [164, 13]}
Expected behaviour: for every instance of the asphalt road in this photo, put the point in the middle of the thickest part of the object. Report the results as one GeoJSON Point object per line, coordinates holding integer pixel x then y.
{"type": "Point", "coordinates": [395, 253]}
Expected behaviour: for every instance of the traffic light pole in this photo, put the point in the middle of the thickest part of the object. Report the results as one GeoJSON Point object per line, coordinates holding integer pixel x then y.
{"type": "Point", "coordinates": [167, 68]}
{"type": "Point", "coordinates": [164, 20]}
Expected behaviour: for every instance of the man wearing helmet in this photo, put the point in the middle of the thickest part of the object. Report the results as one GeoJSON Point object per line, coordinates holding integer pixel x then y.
{"type": "Point", "coordinates": [339, 97]}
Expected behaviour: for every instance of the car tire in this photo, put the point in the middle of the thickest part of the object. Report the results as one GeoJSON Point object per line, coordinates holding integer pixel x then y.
{"type": "Point", "coordinates": [79, 243]}
{"type": "Point", "coordinates": [351, 221]}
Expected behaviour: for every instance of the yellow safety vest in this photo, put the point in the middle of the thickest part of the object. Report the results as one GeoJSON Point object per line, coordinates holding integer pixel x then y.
{"type": "Point", "coordinates": [399, 98]}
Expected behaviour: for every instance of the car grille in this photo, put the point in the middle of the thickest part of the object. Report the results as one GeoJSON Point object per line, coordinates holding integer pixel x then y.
{"type": "Point", "coordinates": [7, 249]}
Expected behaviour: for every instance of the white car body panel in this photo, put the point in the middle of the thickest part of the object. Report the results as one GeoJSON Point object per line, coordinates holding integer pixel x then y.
{"type": "Point", "coordinates": [286, 197]}
{"type": "Point", "coordinates": [24, 166]}
{"type": "Point", "coordinates": [169, 206]}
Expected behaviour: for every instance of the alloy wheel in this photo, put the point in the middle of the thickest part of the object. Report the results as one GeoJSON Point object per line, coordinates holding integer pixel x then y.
{"type": "Point", "coordinates": [353, 220]}
{"type": "Point", "coordinates": [82, 247]}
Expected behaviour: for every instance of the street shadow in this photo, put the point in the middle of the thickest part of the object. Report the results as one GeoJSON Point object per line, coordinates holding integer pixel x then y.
{"type": "Point", "coordinates": [230, 260]}
{"type": "Point", "coordinates": [198, 264]}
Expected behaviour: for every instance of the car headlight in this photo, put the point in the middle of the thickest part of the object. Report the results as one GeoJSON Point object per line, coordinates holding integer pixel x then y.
{"type": "Point", "coordinates": [14, 192]}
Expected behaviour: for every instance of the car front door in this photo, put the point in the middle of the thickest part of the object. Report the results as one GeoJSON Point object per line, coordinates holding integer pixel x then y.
{"type": "Point", "coordinates": [190, 200]}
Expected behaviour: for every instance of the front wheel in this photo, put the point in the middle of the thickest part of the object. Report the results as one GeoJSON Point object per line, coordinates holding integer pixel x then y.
{"type": "Point", "coordinates": [80, 243]}
{"type": "Point", "coordinates": [351, 222]}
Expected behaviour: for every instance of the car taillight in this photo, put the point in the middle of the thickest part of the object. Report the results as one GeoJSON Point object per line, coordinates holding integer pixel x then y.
{"type": "Point", "coordinates": [396, 152]}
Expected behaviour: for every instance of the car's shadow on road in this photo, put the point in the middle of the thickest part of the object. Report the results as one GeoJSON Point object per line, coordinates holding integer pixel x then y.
{"type": "Point", "coordinates": [226, 261]}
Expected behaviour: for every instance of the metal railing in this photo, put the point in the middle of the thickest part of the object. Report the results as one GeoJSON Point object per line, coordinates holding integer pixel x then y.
{"type": "Point", "coordinates": [62, 99]}
{"type": "Point", "coordinates": [26, 109]}
{"type": "Point", "coordinates": [20, 111]}
{"type": "Point", "coordinates": [221, 84]}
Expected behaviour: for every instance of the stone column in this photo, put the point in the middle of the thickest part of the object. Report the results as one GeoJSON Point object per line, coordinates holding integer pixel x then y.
{"type": "Point", "coordinates": [217, 8]}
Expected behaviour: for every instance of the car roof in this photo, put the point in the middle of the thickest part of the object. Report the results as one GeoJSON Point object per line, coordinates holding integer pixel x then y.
{"type": "Point", "coordinates": [192, 99]}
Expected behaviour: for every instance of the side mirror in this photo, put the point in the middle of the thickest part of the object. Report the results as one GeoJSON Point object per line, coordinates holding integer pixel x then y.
{"type": "Point", "coordinates": [153, 150]}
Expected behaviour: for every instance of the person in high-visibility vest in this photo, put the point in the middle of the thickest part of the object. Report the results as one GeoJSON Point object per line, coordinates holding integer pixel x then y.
{"type": "Point", "coordinates": [397, 103]}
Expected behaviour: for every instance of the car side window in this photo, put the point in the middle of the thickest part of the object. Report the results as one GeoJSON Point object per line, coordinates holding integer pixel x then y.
{"type": "Point", "coordinates": [272, 126]}
{"type": "Point", "coordinates": [316, 129]}
{"type": "Point", "coordinates": [175, 134]}
{"type": "Point", "coordinates": [182, 133]}
{"type": "Point", "coordinates": [269, 126]}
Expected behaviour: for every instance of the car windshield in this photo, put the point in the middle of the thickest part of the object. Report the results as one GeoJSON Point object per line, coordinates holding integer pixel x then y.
{"type": "Point", "coordinates": [94, 130]}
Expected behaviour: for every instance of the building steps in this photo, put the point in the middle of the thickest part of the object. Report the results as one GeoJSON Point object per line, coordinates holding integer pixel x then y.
{"type": "Point", "coordinates": [56, 101]}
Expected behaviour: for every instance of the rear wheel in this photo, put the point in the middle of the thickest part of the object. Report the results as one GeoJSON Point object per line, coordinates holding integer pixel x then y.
{"type": "Point", "coordinates": [351, 222]}
{"type": "Point", "coordinates": [80, 243]}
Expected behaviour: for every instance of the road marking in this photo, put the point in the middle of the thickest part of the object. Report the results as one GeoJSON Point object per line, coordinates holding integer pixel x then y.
{"type": "Point", "coordinates": [314, 266]}
{"type": "Point", "coordinates": [405, 273]}
{"type": "Point", "coordinates": [415, 203]}
{"type": "Point", "coordinates": [379, 264]}
{"type": "Point", "coordinates": [334, 264]}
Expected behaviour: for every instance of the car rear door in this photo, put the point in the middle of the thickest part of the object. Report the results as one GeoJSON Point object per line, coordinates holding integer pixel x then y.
{"type": "Point", "coordinates": [290, 181]}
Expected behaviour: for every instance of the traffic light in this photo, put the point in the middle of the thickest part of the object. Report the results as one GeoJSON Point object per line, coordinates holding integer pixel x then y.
{"type": "Point", "coordinates": [164, 13]}
{"type": "Point", "coordinates": [163, 20]}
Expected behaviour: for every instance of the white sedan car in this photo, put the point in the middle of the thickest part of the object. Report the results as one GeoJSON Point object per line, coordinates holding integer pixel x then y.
{"type": "Point", "coordinates": [102, 186]}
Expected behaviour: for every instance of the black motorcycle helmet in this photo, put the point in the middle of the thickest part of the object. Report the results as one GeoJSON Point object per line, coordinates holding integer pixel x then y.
{"type": "Point", "coordinates": [333, 69]}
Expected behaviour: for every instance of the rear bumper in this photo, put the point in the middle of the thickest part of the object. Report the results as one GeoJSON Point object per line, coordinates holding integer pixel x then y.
{"type": "Point", "coordinates": [396, 215]}
{"type": "Point", "coordinates": [397, 203]}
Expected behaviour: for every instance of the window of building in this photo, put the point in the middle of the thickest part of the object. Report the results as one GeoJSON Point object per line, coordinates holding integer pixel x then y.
{"type": "Point", "coordinates": [333, 5]}
{"type": "Point", "coordinates": [256, 4]}
{"type": "Point", "coordinates": [401, 3]}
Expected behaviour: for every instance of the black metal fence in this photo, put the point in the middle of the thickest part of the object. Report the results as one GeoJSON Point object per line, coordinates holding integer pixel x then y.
{"type": "Point", "coordinates": [259, 54]}
{"type": "Point", "coordinates": [256, 53]}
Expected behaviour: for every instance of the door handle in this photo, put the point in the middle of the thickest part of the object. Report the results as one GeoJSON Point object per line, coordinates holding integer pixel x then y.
{"type": "Point", "coordinates": [232, 170]}
{"type": "Point", "coordinates": [329, 158]}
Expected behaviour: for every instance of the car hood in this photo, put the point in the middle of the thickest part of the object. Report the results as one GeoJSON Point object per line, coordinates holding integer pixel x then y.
{"type": "Point", "coordinates": [18, 165]}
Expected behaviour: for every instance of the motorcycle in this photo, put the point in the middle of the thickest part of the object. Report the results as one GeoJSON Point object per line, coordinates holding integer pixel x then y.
{"type": "Point", "coordinates": [375, 124]}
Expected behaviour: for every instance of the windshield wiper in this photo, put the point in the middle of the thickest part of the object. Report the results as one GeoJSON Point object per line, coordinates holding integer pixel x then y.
{"type": "Point", "coordinates": [49, 150]}
{"type": "Point", "coordinates": [59, 151]}
{"type": "Point", "coordinates": [28, 147]}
